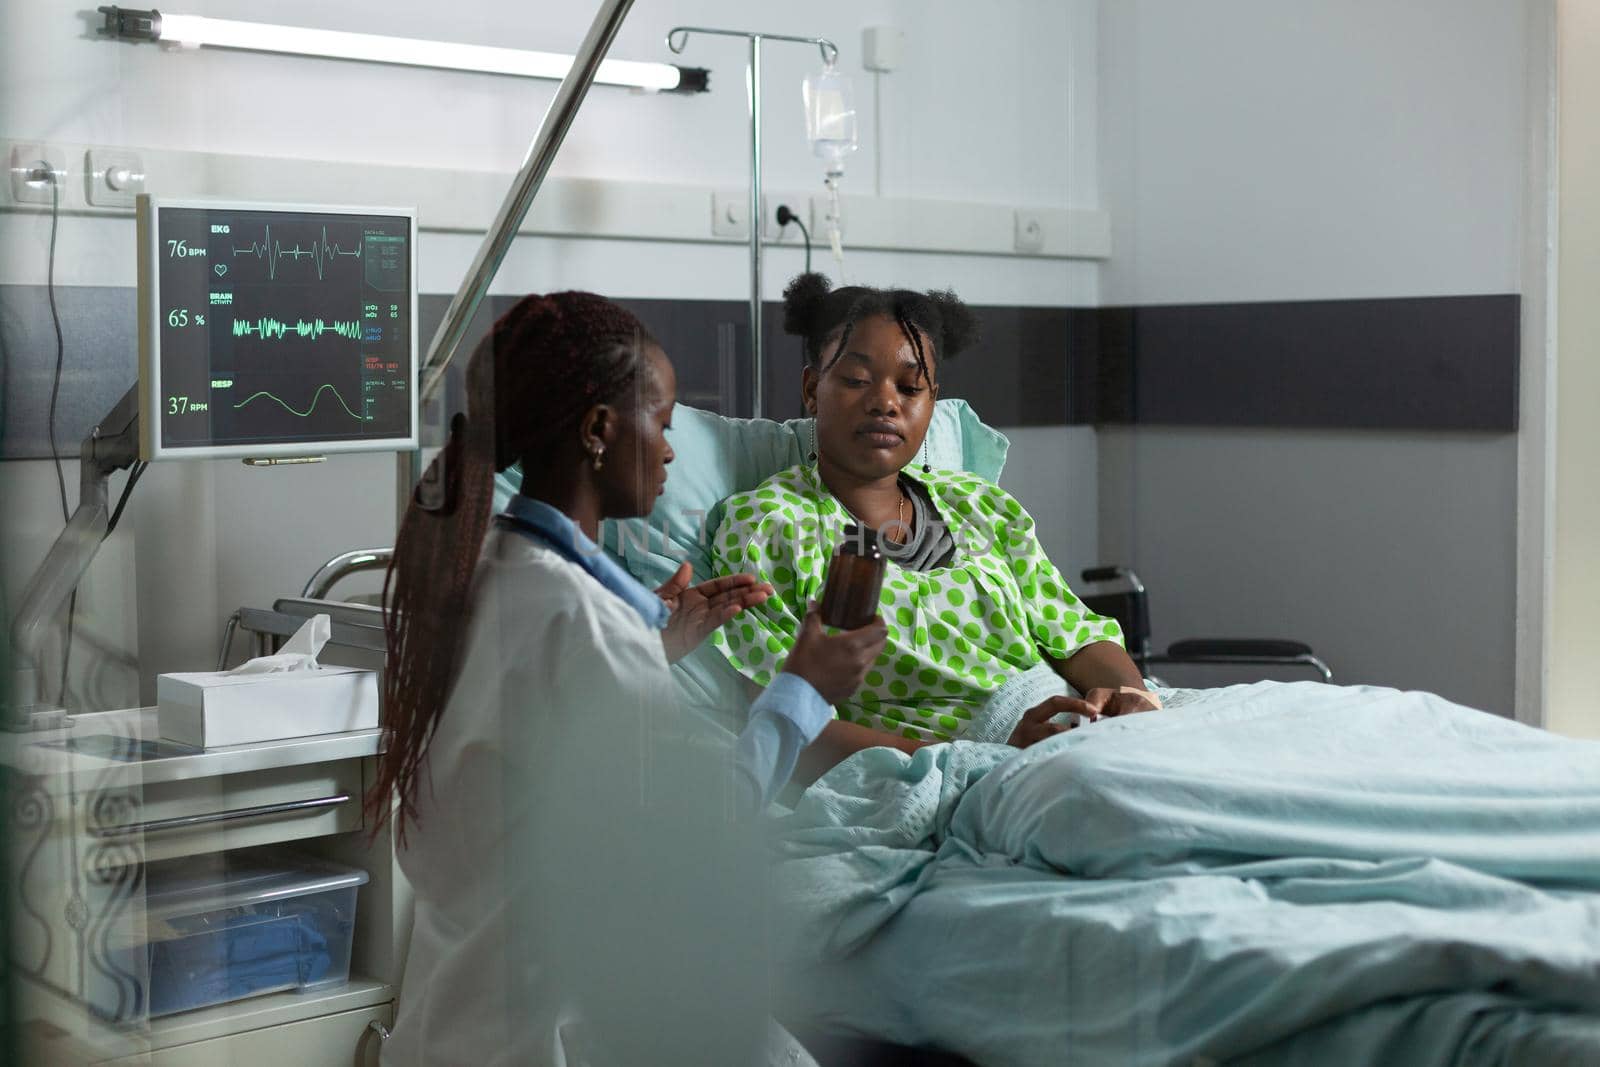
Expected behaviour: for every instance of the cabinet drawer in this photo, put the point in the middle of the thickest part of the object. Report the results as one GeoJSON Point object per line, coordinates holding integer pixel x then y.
{"type": "Point", "coordinates": [185, 817]}
{"type": "Point", "coordinates": [339, 1040]}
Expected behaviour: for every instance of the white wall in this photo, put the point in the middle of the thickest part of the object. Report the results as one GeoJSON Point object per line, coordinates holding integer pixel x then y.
{"type": "Point", "coordinates": [1058, 482]}
{"type": "Point", "coordinates": [1574, 646]}
{"type": "Point", "coordinates": [978, 113]}
{"type": "Point", "coordinates": [1001, 109]}
{"type": "Point", "coordinates": [1536, 398]}
{"type": "Point", "coordinates": [1383, 552]}
{"type": "Point", "coordinates": [1325, 149]}
{"type": "Point", "coordinates": [1255, 150]}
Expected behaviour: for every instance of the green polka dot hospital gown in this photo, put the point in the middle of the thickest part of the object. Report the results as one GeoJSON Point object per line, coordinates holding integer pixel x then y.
{"type": "Point", "coordinates": [957, 632]}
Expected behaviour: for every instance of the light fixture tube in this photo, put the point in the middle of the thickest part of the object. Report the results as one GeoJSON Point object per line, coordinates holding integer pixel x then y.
{"type": "Point", "coordinates": [196, 31]}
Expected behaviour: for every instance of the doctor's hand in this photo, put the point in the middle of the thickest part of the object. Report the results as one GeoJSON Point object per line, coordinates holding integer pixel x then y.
{"type": "Point", "coordinates": [699, 609]}
{"type": "Point", "coordinates": [834, 664]}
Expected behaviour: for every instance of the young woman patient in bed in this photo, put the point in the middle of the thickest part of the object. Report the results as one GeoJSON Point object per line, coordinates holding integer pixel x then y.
{"type": "Point", "coordinates": [970, 599]}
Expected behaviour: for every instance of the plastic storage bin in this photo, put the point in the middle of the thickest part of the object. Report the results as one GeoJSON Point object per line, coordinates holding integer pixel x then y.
{"type": "Point", "coordinates": [231, 925]}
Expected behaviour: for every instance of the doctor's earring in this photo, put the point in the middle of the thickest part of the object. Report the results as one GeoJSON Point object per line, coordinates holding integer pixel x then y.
{"type": "Point", "coordinates": [598, 458]}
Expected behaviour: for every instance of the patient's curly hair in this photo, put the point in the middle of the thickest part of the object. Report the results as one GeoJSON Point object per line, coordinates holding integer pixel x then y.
{"type": "Point", "coordinates": [529, 383]}
{"type": "Point", "coordinates": [820, 314]}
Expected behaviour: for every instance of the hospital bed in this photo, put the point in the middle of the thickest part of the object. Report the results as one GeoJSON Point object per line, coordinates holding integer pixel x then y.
{"type": "Point", "coordinates": [1261, 871]}
{"type": "Point", "coordinates": [1282, 849]}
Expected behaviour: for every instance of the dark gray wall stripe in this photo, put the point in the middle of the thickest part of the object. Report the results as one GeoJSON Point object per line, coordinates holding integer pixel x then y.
{"type": "Point", "coordinates": [1422, 363]}
{"type": "Point", "coordinates": [101, 360]}
{"type": "Point", "coordinates": [1435, 363]}
{"type": "Point", "coordinates": [708, 341]}
{"type": "Point", "coordinates": [1426, 363]}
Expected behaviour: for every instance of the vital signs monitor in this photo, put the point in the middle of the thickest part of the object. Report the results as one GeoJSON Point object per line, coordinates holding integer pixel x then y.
{"type": "Point", "coordinates": [272, 330]}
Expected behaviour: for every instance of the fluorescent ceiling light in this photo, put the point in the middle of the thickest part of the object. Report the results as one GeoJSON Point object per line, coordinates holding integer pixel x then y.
{"type": "Point", "coordinates": [196, 31]}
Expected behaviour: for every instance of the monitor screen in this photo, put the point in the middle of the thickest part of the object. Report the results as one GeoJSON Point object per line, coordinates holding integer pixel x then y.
{"type": "Point", "coordinates": [275, 330]}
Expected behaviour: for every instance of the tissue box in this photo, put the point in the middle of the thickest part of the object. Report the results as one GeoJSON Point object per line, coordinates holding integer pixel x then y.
{"type": "Point", "coordinates": [207, 709]}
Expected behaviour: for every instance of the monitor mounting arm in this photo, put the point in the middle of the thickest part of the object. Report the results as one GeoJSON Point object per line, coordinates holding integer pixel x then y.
{"type": "Point", "coordinates": [111, 446]}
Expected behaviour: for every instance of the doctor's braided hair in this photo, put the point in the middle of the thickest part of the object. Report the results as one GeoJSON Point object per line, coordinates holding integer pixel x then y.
{"type": "Point", "coordinates": [547, 362]}
{"type": "Point", "coordinates": [820, 315]}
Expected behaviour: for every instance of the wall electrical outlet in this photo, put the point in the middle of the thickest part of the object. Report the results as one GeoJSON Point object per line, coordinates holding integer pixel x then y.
{"type": "Point", "coordinates": [730, 215]}
{"type": "Point", "coordinates": [112, 177]}
{"type": "Point", "coordinates": [1029, 232]}
{"type": "Point", "coordinates": [28, 166]}
{"type": "Point", "coordinates": [798, 203]}
{"type": "Point", "coordinates": [881, 47]}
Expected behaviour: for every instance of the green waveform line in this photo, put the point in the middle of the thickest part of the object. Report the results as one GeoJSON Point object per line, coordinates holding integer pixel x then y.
{"type": "Point", "coordinates": [270, 328]}
{"type": "Point", "coordinates": [307, 412]}
{"type": "Point", "coordinates": [319, 252]}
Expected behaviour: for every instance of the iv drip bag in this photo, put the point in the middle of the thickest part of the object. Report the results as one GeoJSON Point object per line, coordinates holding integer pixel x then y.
{"type": "Point", "coordinates": [830, 117]}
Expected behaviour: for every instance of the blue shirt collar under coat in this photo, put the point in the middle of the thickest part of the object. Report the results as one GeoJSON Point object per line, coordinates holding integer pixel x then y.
{"type": "Point", "coordinates": [557, 529]}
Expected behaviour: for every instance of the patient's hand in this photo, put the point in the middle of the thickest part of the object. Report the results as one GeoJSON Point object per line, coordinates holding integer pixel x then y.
{"type": "Point", "coordinates": [1099, 703]}
{"type": "Point", "coordinates": [1035, 724]}
{"type": "Point", "coordinates": [697, 610]}
{"type": "Point", "coordinates": [834, 664]}
{"type": "Point", "coordinates": [1123, 701]}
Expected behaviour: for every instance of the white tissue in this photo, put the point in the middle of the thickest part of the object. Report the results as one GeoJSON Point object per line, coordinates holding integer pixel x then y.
{"type": "Point", "coordinates": [299, 653]}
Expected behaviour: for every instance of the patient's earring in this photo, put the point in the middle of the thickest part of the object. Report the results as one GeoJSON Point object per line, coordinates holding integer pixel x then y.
{"type": "Point", "coordinates": [598, 457]}
{"type": "Point", "coordinates": [926, 469]}
{"type": "Point", "coordinates": [813, 456]}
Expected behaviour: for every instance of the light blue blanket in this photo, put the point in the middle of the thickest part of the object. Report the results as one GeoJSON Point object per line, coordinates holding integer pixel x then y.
{"type": "Point", "coordinates": [1269, 873]}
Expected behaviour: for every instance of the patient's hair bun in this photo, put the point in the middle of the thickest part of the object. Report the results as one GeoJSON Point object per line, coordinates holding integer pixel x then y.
{"type": "Point", "coordinates": [802, 303]}
{"type": "Point", "coordinates": [959, 326]}
{"type": "Point", "coordinates": [818, 313]}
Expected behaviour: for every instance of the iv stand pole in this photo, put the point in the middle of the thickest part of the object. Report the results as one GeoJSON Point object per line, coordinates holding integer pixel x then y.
{"type": "Point", "coordinates": [677, 40]}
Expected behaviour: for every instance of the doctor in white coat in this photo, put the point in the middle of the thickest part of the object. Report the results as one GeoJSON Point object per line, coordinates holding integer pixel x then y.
{"type": "Point", "coordinates": [588, 887]}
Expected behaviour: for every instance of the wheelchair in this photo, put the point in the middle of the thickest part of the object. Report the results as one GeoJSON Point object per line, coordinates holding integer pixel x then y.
{"type": "Point", "coordinates": [1116, 592]}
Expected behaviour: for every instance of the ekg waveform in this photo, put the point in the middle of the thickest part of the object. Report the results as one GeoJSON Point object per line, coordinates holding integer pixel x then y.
{"type": "Point", "coordinates": [270, 329]}
{"type": "Point", "coordinates": [315, 397]}
{"type": "Point", "coordinates": [321, 252]}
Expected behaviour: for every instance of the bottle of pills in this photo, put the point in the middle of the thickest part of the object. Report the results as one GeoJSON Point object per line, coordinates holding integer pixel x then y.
{"type": "Point", "coordinates": [855, 580]}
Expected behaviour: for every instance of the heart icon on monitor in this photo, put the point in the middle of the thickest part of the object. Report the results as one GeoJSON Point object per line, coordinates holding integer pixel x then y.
{"type": "Point", "coordinates": [221, 269]}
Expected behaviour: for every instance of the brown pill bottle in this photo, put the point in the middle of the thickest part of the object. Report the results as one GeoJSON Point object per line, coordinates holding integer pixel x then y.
{"type": "Point", "coordinates": [855, 580]}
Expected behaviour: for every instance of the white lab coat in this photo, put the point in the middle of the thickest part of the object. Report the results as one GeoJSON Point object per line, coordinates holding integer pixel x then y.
{"type": "Point", "coordinates": [576, 868]}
